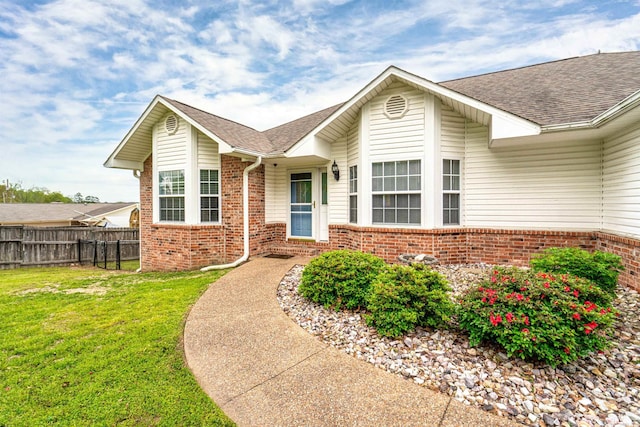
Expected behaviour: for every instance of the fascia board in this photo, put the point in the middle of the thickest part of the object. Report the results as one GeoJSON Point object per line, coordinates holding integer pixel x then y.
{"type": "Point", "coordinates": [124, 164]}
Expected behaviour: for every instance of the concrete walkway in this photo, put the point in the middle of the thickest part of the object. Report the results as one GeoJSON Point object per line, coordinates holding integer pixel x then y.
{"type": "Point", "coordinates": [262, 369]}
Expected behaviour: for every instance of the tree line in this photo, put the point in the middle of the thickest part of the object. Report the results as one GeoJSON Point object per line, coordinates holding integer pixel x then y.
{"type": "Point", "coordinates": [14, 193]}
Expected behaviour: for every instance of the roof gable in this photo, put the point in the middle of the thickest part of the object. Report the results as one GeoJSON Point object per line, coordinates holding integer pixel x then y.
{"type": "Point", "coordinates": [221, 130]}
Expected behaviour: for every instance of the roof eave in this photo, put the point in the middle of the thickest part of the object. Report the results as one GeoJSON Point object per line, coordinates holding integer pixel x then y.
{"type": "Point", "coordinates": [620, 109]}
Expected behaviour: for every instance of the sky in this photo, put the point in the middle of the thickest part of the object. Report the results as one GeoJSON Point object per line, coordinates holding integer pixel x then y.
{"type": "Point", "coordinates": [75, 75]}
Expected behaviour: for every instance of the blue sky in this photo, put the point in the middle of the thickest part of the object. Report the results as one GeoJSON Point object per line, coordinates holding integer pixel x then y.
{"type": "Point", "coordinates": [76, 74]}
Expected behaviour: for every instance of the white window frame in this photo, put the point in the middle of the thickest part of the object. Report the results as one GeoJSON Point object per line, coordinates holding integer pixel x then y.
{"type": "Point", "coordinates": [353, 193]}
{"type": "Point", "coordinates": [448, 177]}
{"type": "Point", "coordinates": [410, 191]}
{"type": "Point", "coordinates": [206, 192]}
{"type": "Point", "coordinates": [170, 190]}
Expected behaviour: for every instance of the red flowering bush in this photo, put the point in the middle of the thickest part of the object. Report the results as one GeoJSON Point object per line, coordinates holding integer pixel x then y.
{"type": "Point", "coordinates": [539, 316]}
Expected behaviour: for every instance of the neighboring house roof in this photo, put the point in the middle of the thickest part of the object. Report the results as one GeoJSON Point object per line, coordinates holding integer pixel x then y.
{"type": "Point", "coordinates": [587, 90]}
{"type": "Point", "coordinates": [566, 91]}
{"type": "Point", "coordinates": [48, 213]}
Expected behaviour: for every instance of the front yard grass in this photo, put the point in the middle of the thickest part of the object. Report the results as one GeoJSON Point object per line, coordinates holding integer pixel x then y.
{"type": "Point", "coordinates": [83, 346]}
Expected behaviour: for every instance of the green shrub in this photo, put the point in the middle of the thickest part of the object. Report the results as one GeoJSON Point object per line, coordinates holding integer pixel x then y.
{"type": "Point", "coordinates": [602, 268]}
{"type": "Point", "coordinates": [539, 316]}
{"type": "Point", "coordinates": [340, 278]}
{"type": "Point", "coordinates": [404, 297]}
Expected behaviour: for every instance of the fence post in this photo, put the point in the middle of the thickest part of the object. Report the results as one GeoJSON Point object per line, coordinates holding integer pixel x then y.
{"type": "Point", "coordinates": [95, 253]}
{"type": "Point", "coordinates": [79, 251]}
{"type": "Point", "coordinates": [118, 255]}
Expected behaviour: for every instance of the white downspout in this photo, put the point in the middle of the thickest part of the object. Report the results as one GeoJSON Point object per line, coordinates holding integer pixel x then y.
{"type": "Point", "coordinates": [245, 212]}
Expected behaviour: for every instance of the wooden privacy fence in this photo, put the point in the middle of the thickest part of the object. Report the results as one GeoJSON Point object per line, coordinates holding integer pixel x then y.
{"type": "Point", "coordinates": [45, 246]}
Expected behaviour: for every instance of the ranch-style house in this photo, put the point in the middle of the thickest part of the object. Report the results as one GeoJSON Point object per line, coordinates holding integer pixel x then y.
{"type": "Point", "coordinates": [490, 168]}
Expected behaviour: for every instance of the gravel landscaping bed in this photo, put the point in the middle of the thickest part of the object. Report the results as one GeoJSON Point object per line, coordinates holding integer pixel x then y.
{"type": "Point", "coordinates": [600, 390]}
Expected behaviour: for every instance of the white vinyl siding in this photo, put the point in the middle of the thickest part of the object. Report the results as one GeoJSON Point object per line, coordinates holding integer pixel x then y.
{"type": "Point", "coordinates": [338, 190]}
{"type": "Point", "coordinates": [551, 186]}
{"type": "Point", "coordinates": [171, 150]}
{"type": "Point", "coordinates": [400, 138]}
{"type": "Point", "coordinates": [621, 184]}
{"type": "Point", "coordinates": [452, 133]}
{"type": "Point", "coordinates": [208, 156]}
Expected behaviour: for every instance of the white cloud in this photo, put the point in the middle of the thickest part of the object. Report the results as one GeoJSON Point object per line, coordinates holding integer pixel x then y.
{"type": "Point", "coordinates": [78, 73]}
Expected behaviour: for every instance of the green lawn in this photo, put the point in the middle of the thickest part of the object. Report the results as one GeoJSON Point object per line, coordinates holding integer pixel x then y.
{"type": "Point", "coordinates": [84, 346]}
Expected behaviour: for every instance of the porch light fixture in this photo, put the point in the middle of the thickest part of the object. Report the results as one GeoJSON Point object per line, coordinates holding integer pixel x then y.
{"type": "Point", "coordinates": [335, 170]}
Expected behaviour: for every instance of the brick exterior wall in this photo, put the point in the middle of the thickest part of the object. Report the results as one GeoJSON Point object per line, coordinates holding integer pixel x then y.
{"type": "Point", "coordinates": [172, 247]}
{"type": "Point", "coordinates": [183, 247]}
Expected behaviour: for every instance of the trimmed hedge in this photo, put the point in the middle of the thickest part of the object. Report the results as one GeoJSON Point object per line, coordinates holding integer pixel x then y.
{"type": "Point", "coordinates": [340, 278]}
{"type": "Point", "coordinates": [602, 268]}
{"type": "Point", "coordinates": [403, 297]}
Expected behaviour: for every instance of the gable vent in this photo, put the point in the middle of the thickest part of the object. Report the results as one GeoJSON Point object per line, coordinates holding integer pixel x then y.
{"type": "Point", "coordinates": [171, 124]}
{"type": "Point", "coordinates": [396, 106]}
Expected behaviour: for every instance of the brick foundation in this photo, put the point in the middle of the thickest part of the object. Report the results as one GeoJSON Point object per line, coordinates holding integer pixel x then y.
{"type": "Point", "coordinates": [468, 245]}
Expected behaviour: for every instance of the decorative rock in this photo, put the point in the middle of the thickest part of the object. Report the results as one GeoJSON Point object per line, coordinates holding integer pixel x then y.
{"type": "Point", "coordinates": [584, 393]}
{"type": "Point", "coordinates": [528, 405]}
{"type": "Point", "coordinates": [626, 421]}
{"type": "Point", "coordinates": [548, 408]}
{"type": "Point", "coordinates": [585, 402]}
{"type": "Point", "coordinates": [549, 420]}
{"type": "Point", "coordinates": [419, 258]}
{"type": "Point", "coordinates": [469, 382]}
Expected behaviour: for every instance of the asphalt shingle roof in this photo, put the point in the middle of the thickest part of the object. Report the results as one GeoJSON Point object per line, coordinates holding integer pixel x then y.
{"type": "Point", "coordinates": [559, 92]}
{"type": "Point", "coordinates": [285, 136]}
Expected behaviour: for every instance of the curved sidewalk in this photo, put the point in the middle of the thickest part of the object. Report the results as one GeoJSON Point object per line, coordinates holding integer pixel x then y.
{"type": "Point", "coordinates": [262, 369]}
